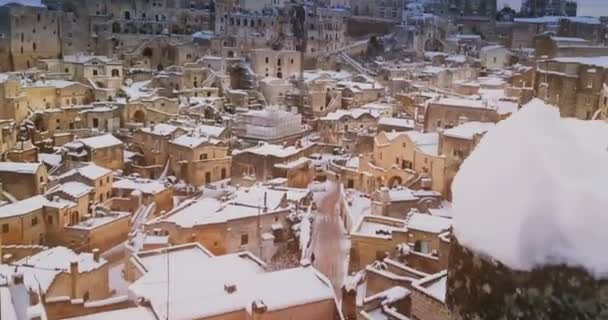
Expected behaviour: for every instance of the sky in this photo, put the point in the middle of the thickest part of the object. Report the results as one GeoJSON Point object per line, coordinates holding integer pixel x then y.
{"type": "Point", "coordinates": [585, 7]}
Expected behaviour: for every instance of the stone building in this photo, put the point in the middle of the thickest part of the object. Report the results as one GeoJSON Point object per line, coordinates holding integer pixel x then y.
{"type": "Point", "coordinates": [253, 219]}
{"type": "Point", "coordinates": [398, 202]}
{"type": "Point", "coordinates": [32, 179]}
{"type": "Point", "coordinates": [148, 191]}
{"type": "Point", "coordinates": [419, 239]}
{"type": "Point", "coordinates": [35, 220]}
{"type": "Point", "coordinates": [282, 64]}
{"type": "Point", "coordinates": [60, 273]}
{"type": "Point", "coordinates": [105, 151]}
{"type": "Point", "coordinates": [199, 159]}
{"type": "Point", "coordinates": [104, 74]}
{"type": "Point", "coordinates": [153, 145]}
{"type": "Point", "coordinates": [456, 144]}
{"type": "Point", "coordinates": [525, 29]}
{"type": "Point", "coordinates": [258, 163]}
{"type": "Point", "coordinates": [574, 84]}
{"type": "Point", "coordinates": [305, 293]}
{"type": "Point", "coordinates": [389, 10]}
{"type": "Point", "coordinates": [99, 178]}
{"type": "Point", "coordinates": [548, 46]}
{"type": "Point", "coordinates": [446, 113]}
{"type": "Point", "coordinates": [29, 33]}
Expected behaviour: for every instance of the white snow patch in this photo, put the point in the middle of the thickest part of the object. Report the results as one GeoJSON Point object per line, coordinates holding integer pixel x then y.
{"type": "Point", "coordinates": [534, 192]}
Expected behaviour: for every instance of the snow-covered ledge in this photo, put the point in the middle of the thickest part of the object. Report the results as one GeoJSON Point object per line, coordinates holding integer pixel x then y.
{"type": "Point", "coordinates": [529, 224]}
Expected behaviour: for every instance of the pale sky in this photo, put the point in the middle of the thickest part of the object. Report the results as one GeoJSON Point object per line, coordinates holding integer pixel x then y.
{"type": "Point", "coordinates": [585, 7]}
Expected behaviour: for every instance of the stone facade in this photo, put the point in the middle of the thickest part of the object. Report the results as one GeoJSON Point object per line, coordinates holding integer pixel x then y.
{"type": "Point", "coordinates": [572, 84]}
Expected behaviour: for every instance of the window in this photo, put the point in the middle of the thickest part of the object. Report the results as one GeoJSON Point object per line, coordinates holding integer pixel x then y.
{"type": "Point", "coordinates": [95, 72]}
{"type": "Point", "coordinates": [244, 239]}
{"type": "Point", "coordinates": [5, 228]}
{"type": "Point", "coordinates": [34, 221]}
{"type": "Point", "coordinates": [203, 156]}
{"type": "Point", "coordinates": [207, 177]}
{"type": "Point", "coordinates": [41, 179]}
{"type": "Point", "coordinates": [49, 220]}
{"type": "Point", "coordinates": [590, 84]}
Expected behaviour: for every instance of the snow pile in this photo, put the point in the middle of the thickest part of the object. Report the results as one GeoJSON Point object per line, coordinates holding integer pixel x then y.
{"type": "Point", "coordinates": [535, 192]}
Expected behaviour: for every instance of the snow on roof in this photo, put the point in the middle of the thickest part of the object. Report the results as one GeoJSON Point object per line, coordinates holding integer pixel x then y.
{"type": "Point", "coordinates": [427, 142]}
{"type": "Point", "coordinates": [492, 47]}
{"type": "Point", "coordinates": [397, 122]}
{"type": "Point", "coordinates": [267, 149]}
{"type": "Point", "coordinates": [244, 203]}
{"type": "Point", "coordinates": [555, 19]}
{"type": "Point", "coordinates": [209, 278]}
{"type": "Point", "coordinates": [465, 103]}
{"type": "Point", "coordinates": [139, 313]}
{"type": "Point", "coordinates": [402, 194]}
{"type": "Point", "coordinates": [84, 58]}
{"type": "Point", "coordinates": [100, 220]}
{"type": "Point", "coordinates": [137, 90]}
{"type": "Point", "coordinates": [204, 35]}
{"type": "Point", "coordinates": [20, 167]}
{"type": "Point", "coordinates": [468, 130]}
{"type": "Point", "coordinates": [379, 226]}
{"type": "Point", "coordinates": [212, 131]}
{"type": "Point", "coordinates": [390, 295]}
{"type": "Point", "coordinates": [73, 188]}
{"type": "Point", "coordinates": [146, 186]}
{"type": "Point", "coordinates": [193, 141]}
{"type": "Point", "coordinates": [40, 269]}
{"type": "Point", "coordinates": [298, 163]}
{"type": "Point", "coordinates": [434, 285]}
{"type": "Point", "coordinates": [8, 310]}
{"type": "Point", "coordinates": [601, 62]}
{"type": "Point", "coordinates": [91, 171]}
{"type": "Point", "coordinates": [569, 39]}
{"type": "Point", "coordinates": [31, 204]}
{"type": "Point", "coordinates": [161, 129]}
{"type": "Point", "coordinates": [53, 83]}
{"type": "Point", "coordinates": [427, 223]}
{"type": "Point", "coordinates": [27, 3]}
{"type": "Point", "coordinates": [353, 113]}
{"type": "Point", "coordinates": [50, 159]}
{"type": "Point", "coordinates": [100, 142]}
{"type": "Point", "coordinates": [536, 148]}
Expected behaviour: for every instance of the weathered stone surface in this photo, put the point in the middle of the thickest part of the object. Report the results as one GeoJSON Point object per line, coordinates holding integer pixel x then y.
{"type": "Point", "coordinates": [482, 288]}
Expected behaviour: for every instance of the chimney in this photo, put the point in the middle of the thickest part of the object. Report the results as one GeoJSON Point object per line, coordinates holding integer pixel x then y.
{"type": "Point", "coordinates": [74, 278]}
{"type": "Point", "coordinates": [96, 253]}
{"type": "Point", "coordinates": [230, 288]}
{"type": "Point", "coordinates": [18, 278]}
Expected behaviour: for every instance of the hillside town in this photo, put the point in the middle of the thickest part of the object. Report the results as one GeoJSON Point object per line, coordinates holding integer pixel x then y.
{"type": "Point", "coordinates": [304, 160]}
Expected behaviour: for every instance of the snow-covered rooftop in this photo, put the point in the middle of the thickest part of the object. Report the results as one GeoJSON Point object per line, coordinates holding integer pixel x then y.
{"type": "Point", "coordinates": [100, 142]}
{"type": "Point", "coordinates": [72, 188]}
{"type": "Point", "coordinates": [227, 283]}
{"type": "Point", "coordinates": [133, 313]}
{"type": "Point", "coordinates": [427, 223]}
{"type": "Point", "coordinates": [146, 186]}
{"type": "Point", "coordinates": [397, 122]}
{"type": "Point", "coordinates": [555, 20]}
{"type": "Point", "coordinates": [267, 149]}
{"type": "Point", "coordinates": [601, 62]}
{"type": "Point", "coordinates": [31, 204]}
{"type": "Point", "coordinates": [20, 167]}
{"type": "Point", "coordinates": [40, 270]}
{"type": "Point", "coordinates": [91, 171]}
{"type": "Point", "coordinates": [468, 130]}
{"type": "Point", "coordinates": [161, 129]}
{"type": "Point", "coordinates": [193, 141]}
{"type": "Point", "coordinates": [499, 210]}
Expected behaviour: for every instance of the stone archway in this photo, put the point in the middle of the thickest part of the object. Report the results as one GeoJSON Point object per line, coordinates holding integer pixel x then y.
{"type": "Point", "coordinates": [139, 116]}
{"type": "Point", "coordinates": [433, 45]}
{"type": "Point", "coordinates": [395, 181]}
